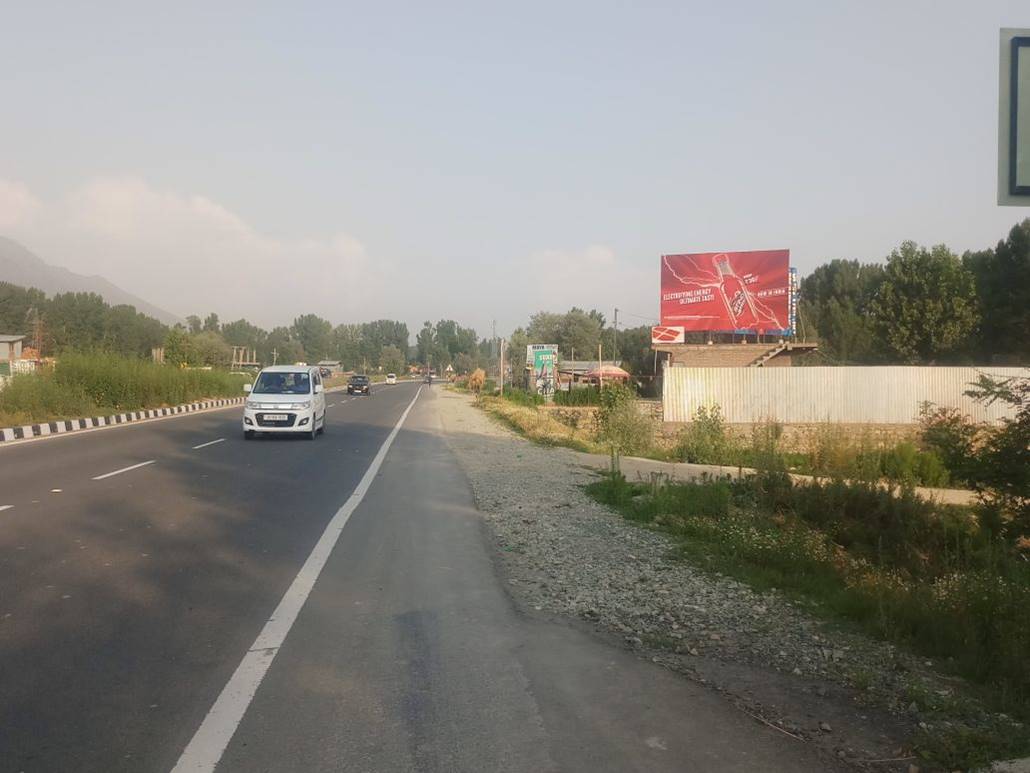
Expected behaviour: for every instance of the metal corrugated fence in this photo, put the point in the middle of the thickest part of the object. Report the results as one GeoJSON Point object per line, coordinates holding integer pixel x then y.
{"type": "Point", "coordinates": [852, 395]}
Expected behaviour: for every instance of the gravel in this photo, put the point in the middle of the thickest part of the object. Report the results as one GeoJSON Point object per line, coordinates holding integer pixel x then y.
{"type": "Point", "coordinates": [566, 555]}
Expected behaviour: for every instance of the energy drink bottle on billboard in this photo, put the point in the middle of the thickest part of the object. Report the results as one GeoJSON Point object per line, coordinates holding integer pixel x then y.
{"type": "Point", "coordinates": [738, 302]}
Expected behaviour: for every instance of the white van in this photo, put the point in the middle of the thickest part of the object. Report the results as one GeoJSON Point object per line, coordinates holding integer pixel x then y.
{"type": "Point", "coordinates": [391, 378]}
{"type": "Point", "coordinates": [285, 398]}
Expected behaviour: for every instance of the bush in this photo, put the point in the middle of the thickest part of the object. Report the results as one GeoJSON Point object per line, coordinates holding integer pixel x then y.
{"type": "Point", "coordinates": [1003, 462]}
{"type": "Point", "coordinates": [705, 441]}
{"type": "Point", "coordinates": [621, 425]}
{"type": "Point", "coordinates": [522, 397]}
{"type": "Point", "coordinates": [578, 396]}
{"type": "Point", "coordinates": [83, 384]}
{"type": "Point", "coordinates": [952, 436]}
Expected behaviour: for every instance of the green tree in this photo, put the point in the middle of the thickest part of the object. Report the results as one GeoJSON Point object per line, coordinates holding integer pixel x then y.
{"type": "Point", "coordinates": [926, 306]}
{"type": "Point", "coordinates": [194, 324]}
{"type": "Point", "coordinates": [576, 333]}
{"type": "Point", "coordinates": [209, 348]}
{"type": "Point", "coordinates": [243, 333]}
{"type": "Point", "coordinates": [211, 324]}
{"type": "Point", "coordinates": [391, 359]}
{"type": "Point", "coordinates": [635, 350]}
{"type": "Point", "coordinates": [128, 332]}
{"type": "Point", "coordinates": [464, 363]}
{"type": "Point", "coordinates": [177, 347]}
{"type": "Point", "coordinates": [76, 321]}
{"type": "Point", "coordinates": [282, 348]}
{"type": "Point", "coordinates": [835, 300]}
{"type": "Point", "coordinates": [426, 343]}
{"type": "Point", "coordinates": [347, 345]}
{"type": "Point", "coordinates": [15, 306]}
{"type": "Point", "coordinates": [315, 336]}
{"type": "Point", "coordinates": [1003, 286]}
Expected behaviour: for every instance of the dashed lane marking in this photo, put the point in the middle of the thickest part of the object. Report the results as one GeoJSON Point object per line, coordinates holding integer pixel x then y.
{"type": "Point", "coordinates": [209, 443]}
{"type": "Point", "coordinates": [124, 469]}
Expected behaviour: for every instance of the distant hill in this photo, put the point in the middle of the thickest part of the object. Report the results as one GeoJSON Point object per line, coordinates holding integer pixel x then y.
{"type": "Point", "coordinates": [21, 267]}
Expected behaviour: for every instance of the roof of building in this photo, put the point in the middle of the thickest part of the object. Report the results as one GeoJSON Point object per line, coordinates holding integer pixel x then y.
{"type": "Point", "coordinates": [582, 366]}
{"type": "Point", "coordinates": [10, 339]}
{"type": "Point", "coordinates": [608, 371]}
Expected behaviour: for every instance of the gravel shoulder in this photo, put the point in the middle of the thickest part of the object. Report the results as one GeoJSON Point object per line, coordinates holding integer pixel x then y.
{"type": "Point", "coordinates": [564, 555]}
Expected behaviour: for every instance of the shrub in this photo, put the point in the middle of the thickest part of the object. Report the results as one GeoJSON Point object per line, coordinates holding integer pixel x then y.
{"type": "Point", "coordinates": [1003, 462]}
{"type": "Point", "coordinates": [952, 436]}
{"type": "Point", "coordinates": [82, 384]}
{"type": "Point", "coordinates": [522, 397]}
{"type": "Point", "coordinates": [578, 396]}
{"type": "Point", "coordinates": [705, 441]}
{"type": "Point", "coordinates": [621, 425]}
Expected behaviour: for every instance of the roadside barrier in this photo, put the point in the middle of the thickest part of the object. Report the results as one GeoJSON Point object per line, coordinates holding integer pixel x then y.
{"type": "Point", "coordinates": [74, 425]}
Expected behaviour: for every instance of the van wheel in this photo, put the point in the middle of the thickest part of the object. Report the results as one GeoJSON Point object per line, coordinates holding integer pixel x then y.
{"type": "Point", "coordinates": [313, 432]}
{"type": "Point", "coordinates": [321, 430]}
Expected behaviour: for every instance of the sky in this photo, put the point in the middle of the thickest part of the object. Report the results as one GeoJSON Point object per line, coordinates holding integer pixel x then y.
{"type": "Point", "coordinates": [483, 161]}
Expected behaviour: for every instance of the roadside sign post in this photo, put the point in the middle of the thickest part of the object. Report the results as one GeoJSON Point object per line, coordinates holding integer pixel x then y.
{"type": "Point", "coordinates": [544, 361]}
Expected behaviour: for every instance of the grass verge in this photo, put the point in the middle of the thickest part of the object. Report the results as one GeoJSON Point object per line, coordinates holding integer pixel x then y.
{"type": "Point", "coordinates": [82, 385]}
{"type": "Point", "coordinates": [540, 426]}
{"type": "Point", "coordinates": [906, 570]}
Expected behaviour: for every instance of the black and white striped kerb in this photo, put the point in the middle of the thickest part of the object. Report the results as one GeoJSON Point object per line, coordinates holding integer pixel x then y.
{"type": "Point", "coordinates": [74, 425]}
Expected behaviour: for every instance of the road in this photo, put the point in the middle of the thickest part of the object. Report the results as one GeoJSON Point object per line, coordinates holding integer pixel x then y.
{"type": "Point", "coordinates": [130, 600]}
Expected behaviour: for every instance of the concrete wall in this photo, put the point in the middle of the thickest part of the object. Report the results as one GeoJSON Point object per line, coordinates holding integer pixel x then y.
{"type": "Point", "coordinates": [860, 395]}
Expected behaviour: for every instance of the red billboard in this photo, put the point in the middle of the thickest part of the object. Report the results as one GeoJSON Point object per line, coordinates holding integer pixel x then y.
{"type": "Point", "coordinates": [741, 292]}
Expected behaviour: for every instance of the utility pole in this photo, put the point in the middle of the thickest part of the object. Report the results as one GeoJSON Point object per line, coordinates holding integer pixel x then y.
{"type": "Point", "coordinates": [600, 369]}
{"type": "Point", "coordinates": [502, 367]}
{"type": "Point", "coordinates": [615, 338]}
{"type": "Point", "coordinates": [275, 356]}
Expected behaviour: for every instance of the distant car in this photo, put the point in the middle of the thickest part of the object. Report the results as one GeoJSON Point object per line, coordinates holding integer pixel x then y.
{"type": "Point", "coordinates": [391, 378]}
{"type": "Point", "coordinates": [285, 398]}
{"type": "Point", "coordinates": [359, 385]}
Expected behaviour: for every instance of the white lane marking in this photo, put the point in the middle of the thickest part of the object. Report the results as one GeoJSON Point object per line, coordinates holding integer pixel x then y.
{"type": "Point", "coordinates": [104, 427]}
{"type": "Point", "coordinates": [208, 744]}
{"type": "Point", "coordinates": [124, 469]}
{"type": "Point", "coordinates": [331, 405]}
{"type": "Point", "coordinates": [6, 507]}
{"type": "Point", "coordinates": [209, 443]}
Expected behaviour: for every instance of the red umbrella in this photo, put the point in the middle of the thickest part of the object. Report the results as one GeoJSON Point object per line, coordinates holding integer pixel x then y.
{"type": "Point", "coordinates": [608, 371]}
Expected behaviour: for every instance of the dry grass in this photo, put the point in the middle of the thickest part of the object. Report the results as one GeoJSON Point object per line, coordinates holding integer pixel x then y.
{"type": "Point", "coordinates": [540, 426]}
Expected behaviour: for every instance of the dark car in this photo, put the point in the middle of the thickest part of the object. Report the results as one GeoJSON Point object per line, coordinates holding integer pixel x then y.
{"type": "Point", "coordinates": [359, 385]}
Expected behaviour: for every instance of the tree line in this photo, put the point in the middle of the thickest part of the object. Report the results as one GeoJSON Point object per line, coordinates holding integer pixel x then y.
{"type": "Point", "coordinates": [924, 305]}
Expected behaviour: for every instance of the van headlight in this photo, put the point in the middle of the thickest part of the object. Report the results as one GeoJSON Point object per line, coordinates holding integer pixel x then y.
{"type": "Point", "coordinates": [253, 404]}
{"type": "Point", "coordinates": [301, 406]}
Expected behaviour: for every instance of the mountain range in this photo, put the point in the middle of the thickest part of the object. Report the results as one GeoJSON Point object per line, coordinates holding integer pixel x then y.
{"type": "Point", "coordinates": [21, 267]}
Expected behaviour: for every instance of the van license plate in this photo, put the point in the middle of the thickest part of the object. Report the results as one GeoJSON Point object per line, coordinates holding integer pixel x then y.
{"type": "Point", "coordinates": [275, 417]}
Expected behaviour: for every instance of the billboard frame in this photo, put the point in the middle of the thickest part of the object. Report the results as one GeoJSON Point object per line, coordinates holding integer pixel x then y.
{"type": "Point", "coordinates": [1014, 44]}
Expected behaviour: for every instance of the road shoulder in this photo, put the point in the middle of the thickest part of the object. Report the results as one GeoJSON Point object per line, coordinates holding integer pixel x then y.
{"type": "Point", "coordinates": [567, 557]}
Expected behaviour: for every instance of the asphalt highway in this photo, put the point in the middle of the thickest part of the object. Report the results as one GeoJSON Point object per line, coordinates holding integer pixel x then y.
{"type": "Point", "coordinates": [175, 597]}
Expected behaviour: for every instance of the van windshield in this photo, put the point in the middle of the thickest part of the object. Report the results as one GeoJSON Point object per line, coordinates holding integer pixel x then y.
{"type": "Point", "coordinates": [289, 383]}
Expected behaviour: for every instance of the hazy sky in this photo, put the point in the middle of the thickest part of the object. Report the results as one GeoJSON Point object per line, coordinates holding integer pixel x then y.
{"type": "Point", "coordinates": [484, 160]}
